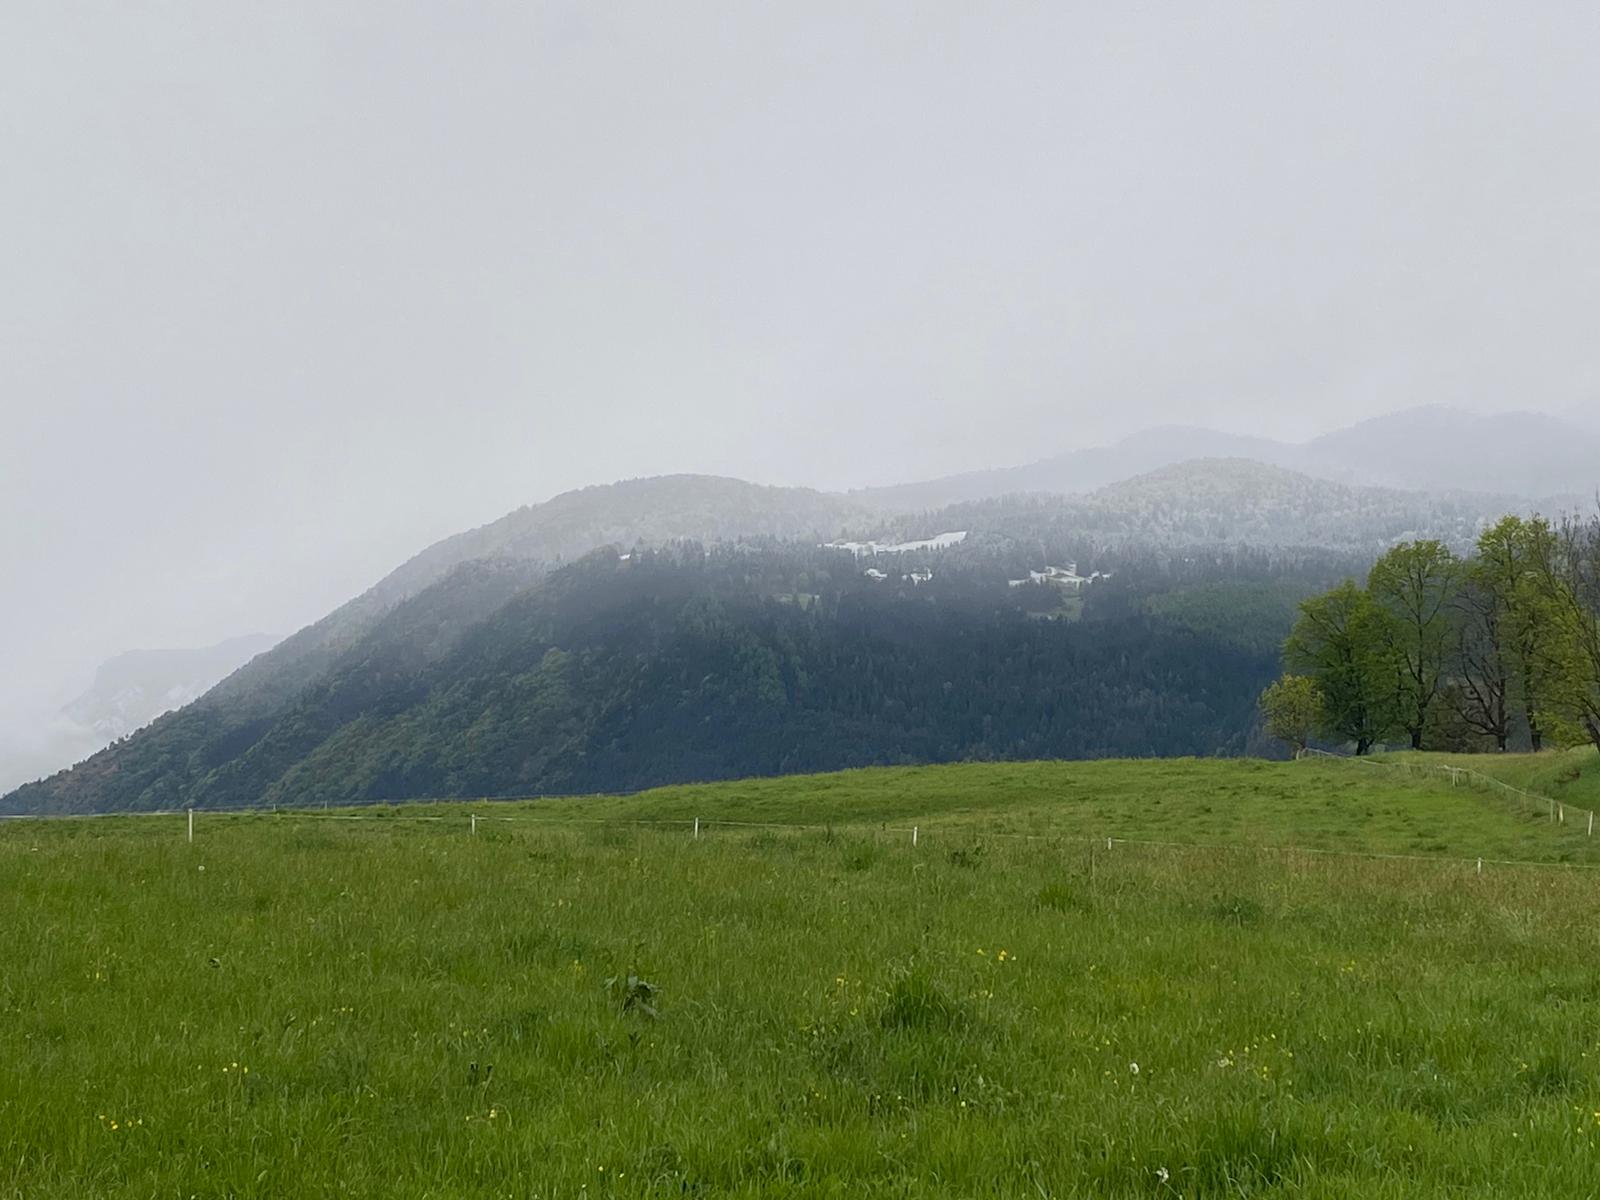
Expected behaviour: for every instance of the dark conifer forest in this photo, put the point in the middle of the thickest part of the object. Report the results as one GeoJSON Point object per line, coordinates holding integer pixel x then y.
{"type": "Point", "coordinates": [625, 670]}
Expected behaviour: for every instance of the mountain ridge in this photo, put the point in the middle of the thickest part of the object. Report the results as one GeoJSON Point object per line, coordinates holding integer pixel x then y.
{"type": "Point", "coordinates": [1179, 499]}
{"type": "Point", "coordinates": [1429, 448]}
{"type": "Point", "coordinates": [312, 703]}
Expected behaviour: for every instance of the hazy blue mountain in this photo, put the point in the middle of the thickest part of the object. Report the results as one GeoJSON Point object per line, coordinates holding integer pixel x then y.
{"type": "Point", "coordinates": [133, 689]}
{"type": "Point", "coordinates": [1586, 415]}
{"type": "Point", "coordinates": [1433, 448]}
{"type": "Point", "coordinates": [1438, 448]}
{"type": "Point", "coordinates": [1080, 471]}
{"type": "Point", "coordinates": [127, 693]}
{"type": "Point", "coordinates": [1229, 502]}
{"type": "Point", "coordinates": [1251, 503]}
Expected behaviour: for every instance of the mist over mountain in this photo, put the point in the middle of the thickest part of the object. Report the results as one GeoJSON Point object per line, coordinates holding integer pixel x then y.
{"type": "Point", "coordinates": [694, 662]}
{"type": "Point", "coordinates": [656, 511]}
{"type": "Point", "coordinates": [1239, 501]}
{"type": "Point", "coordinates": [132, 689]}
{"type": "Point", "coordinates": [1585, 415]}
{"type": "Point", "coordinates": [408, 686]}
{"type": "Point", "coordinates": [1441, 448]}
{"type": "Point", "coordinates": [1077, 472]}
{"type": "Point", "coordinates": [126, 694]}
{"type": "Point", "coordinates": [1432, 448]}
{"type": "Point", "coordinates": [1441, 473]}
{"type": "Point", "coordinates": [1228, 502]}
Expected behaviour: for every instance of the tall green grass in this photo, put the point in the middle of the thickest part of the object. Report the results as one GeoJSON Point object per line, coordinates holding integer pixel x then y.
{"type": "Point", "coordinates": [298, 1006]}
{"type": "Point", "coordinates": [1569, 776]}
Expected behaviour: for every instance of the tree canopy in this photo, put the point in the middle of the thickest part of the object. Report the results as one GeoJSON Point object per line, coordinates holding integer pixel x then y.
{"type": "Point", "coordinates": [1435, 649]}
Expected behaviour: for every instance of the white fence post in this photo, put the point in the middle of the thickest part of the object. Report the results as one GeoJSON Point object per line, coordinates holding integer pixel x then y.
{"type": "Point", "coordinates": [913, 835]}
{"type": "Point", "coordinates": [191, 824]}
{"type": "Point", "coordinates": [1480, 866]}
{"type": "Point", "coordinates": [474, 824]}
{"type": "Point", "coordinates": [697, 827]}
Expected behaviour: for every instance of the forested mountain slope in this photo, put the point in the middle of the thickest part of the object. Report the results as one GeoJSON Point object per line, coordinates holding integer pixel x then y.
{"type": "Point", "coordinates": [1046, 626]}
{"type": "Point", "coordinates": [617, 673]}
{"type": "Point", "coordinates": [654, 511]}
{"type": "Point", "coordinates": [1232, 502]}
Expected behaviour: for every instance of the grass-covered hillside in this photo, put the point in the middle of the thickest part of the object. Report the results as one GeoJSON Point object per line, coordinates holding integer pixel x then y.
{"type": "Point", "coordinates": [1570, 776]}
{"type": "Point", "coordinates": [581, 998]}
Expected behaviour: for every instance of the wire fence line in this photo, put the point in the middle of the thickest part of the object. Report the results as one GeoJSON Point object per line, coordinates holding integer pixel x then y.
{"type": "Point", "coordinates": [469, 821]}
{"type": "Point", "coordinates": [392, 803]}
{"type": "Point", "coordinates": [1557, 810]}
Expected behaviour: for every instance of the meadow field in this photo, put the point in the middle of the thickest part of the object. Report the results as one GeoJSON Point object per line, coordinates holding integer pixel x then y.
{"type": "Point", "coordinates": [1279, 979]}
{"type": "Point", "coordinates": [1568, 776]}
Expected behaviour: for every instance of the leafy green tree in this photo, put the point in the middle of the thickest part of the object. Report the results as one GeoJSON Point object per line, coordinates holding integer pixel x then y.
{"type": "Point", "coordinates": [1294, 710]}
{"type": "Point", "coordinates": [1478, 692]}
{"type": "Point", "coordinates": [1415, 586]}
{"type": "Point", "coordinates": [1511, 629]}
{"type": "Point", "coordinates": [1567, 569]}
{"type": "Point", "coordinates": [1342, 644]}
{"type": "Point", "coordinates": [1449, 726]}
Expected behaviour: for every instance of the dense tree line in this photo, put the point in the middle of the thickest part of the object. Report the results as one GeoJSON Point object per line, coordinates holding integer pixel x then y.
{"type": "Point", "coordinates": [688, 662]}
{"type": "Point", "coordinates": [1442, 651]}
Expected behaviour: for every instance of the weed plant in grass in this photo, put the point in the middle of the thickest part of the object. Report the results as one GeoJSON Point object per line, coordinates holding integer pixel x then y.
{"type": "Point", "coordinates": [574, 1004]}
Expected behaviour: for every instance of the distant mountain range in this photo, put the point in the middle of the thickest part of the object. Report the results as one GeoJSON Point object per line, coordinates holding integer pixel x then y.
{"type": "Point", "coordinates": [1170, 495]}
{"type": "Point", "coordinates": [128, 692]}
{"type": "Point", "coordinates": [1240, 502]}
{"type": "Point", "coordinates": [1586, 415]}
{"type": "Point", "coordinates": [1422, 449]}
{"type": "Point", "coordinates": [133, 689]}
{"type": "Point", "coordinates": [391, 693]}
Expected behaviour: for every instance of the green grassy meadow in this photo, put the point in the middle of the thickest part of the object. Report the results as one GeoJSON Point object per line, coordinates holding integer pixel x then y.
{"type": "Point", "coordinates": [301, 1005]}
{"type": "Point", "coordinates": [1570, 776]}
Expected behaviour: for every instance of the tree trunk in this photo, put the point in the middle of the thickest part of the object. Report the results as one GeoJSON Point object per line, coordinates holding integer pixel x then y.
{"type": "Point", "coordinates": [1416, 739]}
{"type": "Point", "coordinates": [1363, 746]}
{"type": "Point", "coordinates": [1534, 732]}
{"type": "Point", "coordinates": [1500, 740]}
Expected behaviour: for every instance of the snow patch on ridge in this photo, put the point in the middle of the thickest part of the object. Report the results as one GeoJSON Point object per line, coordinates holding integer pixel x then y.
{"type": "Point", "coordinates": [941, 541]}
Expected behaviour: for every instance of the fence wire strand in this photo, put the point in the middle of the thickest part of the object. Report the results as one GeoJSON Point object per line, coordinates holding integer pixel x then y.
{"type": "Point", "coordinates": [1557, 809]}
{"type": "Point", "coordinates": [472, 818]}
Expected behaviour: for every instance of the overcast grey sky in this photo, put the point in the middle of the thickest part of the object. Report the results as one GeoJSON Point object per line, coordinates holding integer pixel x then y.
{"type": "Point", "coordinates": [291, 290]}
